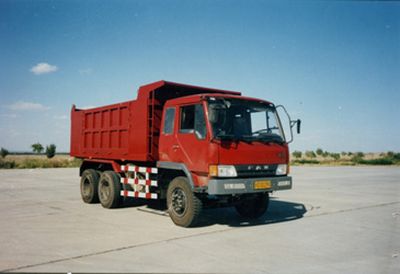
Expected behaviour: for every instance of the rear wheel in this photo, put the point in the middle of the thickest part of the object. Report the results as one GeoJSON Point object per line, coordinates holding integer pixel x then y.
{"type": "Point", "coordinates": [89, 184]}
{"type": "Point", "coordinates": [253, 207]}
{"type": "Point", "coordinates": [109, 189]}
{"type": "Point", "coordinates": [183, 206]}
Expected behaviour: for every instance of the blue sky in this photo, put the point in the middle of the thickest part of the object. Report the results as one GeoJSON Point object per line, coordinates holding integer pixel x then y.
{"type": "Point", "coordinates": [335, 65]}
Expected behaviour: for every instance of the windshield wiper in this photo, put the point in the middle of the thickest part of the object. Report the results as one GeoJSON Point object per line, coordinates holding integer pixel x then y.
{"type": "Point", "coordinates": [226, 137]}
{"type": "Point", "coordinates": [247, 138]}
{"type": "Point", "coordinates": [232, 137]}
{"type": "Point", "coordinates": [273, 138]}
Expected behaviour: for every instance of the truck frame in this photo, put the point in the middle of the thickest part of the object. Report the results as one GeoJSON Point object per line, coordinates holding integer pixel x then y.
{"type": "Point", "coordinates": [187, 145]}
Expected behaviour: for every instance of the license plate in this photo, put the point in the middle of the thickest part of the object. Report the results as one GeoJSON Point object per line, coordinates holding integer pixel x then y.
{"type": "Point", "coordinates": [262, 184]}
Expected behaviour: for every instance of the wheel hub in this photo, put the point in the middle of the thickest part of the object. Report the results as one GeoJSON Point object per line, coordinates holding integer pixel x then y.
{"type": "Point", "coordinates": [179, 201]}
{"type": "Point", "coordinates": [105, 190]}
{"type": "Point", "coordinates": [86, 187]}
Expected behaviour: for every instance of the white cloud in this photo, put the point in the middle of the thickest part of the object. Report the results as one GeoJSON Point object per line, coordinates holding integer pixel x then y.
{"type": "Point", "coordinates": [22, 106]}
{"type": "Point", "coordinates": [42, 68]}
{"type": "Point", "coordinates": [60, 117]}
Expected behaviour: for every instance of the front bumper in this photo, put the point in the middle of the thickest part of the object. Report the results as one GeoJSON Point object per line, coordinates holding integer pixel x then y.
{"type": "Point", "coordinates": [246, 185]}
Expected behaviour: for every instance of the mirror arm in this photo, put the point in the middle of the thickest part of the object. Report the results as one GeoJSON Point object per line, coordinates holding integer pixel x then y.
{"type": "Point", "coordinates": [292, 123]}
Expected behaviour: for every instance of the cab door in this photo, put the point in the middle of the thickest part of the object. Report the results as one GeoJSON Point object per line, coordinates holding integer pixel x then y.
{"type": "Point", "coordinates": [192, 146]}
{"type": "Point", "coordinates": [167, 141]}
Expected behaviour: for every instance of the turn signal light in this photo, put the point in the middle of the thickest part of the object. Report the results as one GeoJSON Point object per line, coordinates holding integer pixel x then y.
{"type": "Point", "coordinates": [213, 170]}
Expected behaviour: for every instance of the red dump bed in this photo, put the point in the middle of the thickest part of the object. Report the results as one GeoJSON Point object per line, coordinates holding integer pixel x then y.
{"type": "Point", "coordinates": [128, 130]}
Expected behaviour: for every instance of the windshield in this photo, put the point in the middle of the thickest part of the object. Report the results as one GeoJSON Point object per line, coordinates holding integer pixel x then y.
{"type": "Point", "coordinates": [246, 120]}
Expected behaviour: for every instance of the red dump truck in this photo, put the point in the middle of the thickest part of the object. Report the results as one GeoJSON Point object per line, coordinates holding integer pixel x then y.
{"type": "Point", "coordinates": [187, 145]}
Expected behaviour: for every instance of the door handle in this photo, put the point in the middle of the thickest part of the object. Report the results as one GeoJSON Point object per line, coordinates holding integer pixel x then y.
{"type": "Point", "coordinates": [175, 147]}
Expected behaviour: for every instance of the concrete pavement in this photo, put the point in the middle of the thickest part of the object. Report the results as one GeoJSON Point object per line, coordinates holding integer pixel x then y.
{"type": "Point", "coordinates": [335, 220]}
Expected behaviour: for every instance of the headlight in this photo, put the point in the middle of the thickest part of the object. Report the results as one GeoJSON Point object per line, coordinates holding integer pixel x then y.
{"type": "Point", "coordinates": [281, 170]}
{"type": "Point", "coordinates": [222, 171]}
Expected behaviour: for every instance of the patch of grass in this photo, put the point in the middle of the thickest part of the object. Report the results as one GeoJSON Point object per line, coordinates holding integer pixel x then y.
{"type": "Point", "coordinates": [344, 163]}
{"type": "Point", "coordinates": [47, 163]}
{"type": "Point", "coordinates": [7, 164]}
{"type": "Point", "coordinates": [379, 161]}
{"type": "Point", "coordinates": [39, 162]}
{"type": "Point", "coordinates": [305, 161]}
{"type": "Point", "coordinates": [346, 159]}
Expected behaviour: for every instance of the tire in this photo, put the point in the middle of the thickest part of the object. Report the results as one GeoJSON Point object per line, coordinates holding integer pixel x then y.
{"type": "Point", "coordinates": [183, 206]}
{"type": "Point", "coordinates": [110, 189]}
{"type": "Point", "coordinates": [89, 186]}
{"type": "Point", "coordinates": [253, 208]}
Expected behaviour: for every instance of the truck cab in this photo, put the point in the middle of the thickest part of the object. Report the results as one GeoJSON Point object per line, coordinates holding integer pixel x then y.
{"type": "Point", "coordinates": [233, 149]}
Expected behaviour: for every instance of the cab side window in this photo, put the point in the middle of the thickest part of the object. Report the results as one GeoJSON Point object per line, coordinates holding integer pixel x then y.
{"type": "Point", "coordinates": [200, 127]}
{"type": "Point", "coordinates": [187, 119]}
{"type": "Point", "coordinates": [192, 121]}
{"type": "Point", "coordinates": [169, 121]}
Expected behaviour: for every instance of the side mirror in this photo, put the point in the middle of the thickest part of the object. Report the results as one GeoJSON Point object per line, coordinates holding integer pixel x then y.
{"type": "Point", "coordinates": [298, 122]}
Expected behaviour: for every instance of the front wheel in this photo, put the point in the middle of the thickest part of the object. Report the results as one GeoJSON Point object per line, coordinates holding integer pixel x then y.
{"type": "Point", "coordinates": [183, 206]}
{"type": "Point", "coordinates": [253, 207]}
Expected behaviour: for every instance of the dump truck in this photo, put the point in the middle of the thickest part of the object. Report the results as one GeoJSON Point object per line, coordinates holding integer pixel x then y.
{"type": "Point", "coordinates": [187, 146]}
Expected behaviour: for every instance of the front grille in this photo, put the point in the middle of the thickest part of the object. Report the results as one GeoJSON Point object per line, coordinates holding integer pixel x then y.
{"type": "Point", "coordinates": [263, 170]}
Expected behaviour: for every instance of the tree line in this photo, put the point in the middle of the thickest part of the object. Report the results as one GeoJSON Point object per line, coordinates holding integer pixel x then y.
{"type": "Point", "coordinates": [311, 157]}
{"type": "Point", "coordinates": [49, 151]}
{"type": "Point", "coordinates": [324, 154]}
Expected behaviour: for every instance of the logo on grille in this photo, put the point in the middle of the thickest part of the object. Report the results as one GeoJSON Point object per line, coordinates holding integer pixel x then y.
{"type": "Point", "coordinates": [257, 168]}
